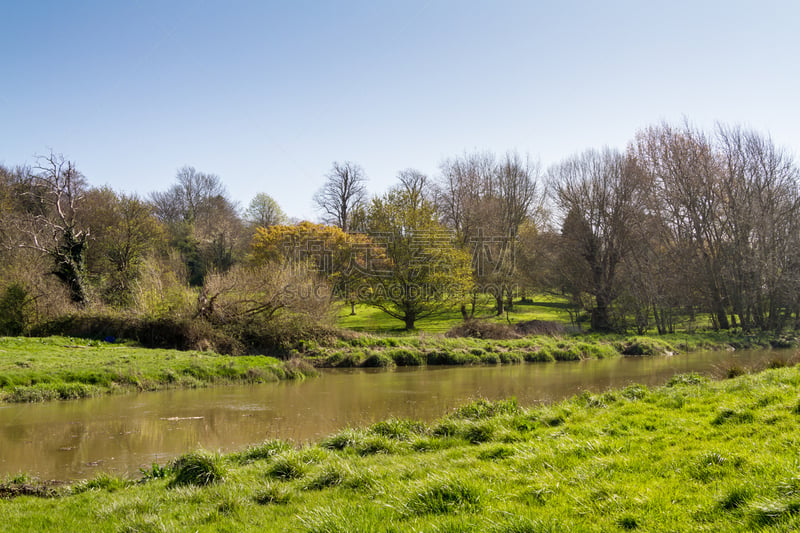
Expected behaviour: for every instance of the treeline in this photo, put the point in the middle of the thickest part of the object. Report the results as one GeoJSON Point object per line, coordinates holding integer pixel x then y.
{"type": "Point", "coordinates": [682, 224]}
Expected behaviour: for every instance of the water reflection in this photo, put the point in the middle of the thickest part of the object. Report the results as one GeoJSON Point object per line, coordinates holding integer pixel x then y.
{"type": "Point", "coordinates": [69, 440]}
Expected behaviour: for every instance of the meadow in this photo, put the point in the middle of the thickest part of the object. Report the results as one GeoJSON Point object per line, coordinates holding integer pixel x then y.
{"type": "Point", "coordinates": [693, 455]}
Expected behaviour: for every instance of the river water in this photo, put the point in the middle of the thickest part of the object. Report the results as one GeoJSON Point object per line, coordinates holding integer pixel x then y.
{"type": "Point", "coordinates": [119, 434]}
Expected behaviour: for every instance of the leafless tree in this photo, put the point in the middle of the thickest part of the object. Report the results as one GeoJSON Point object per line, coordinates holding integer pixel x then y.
{"type": "Point", "coordinates": [342, 194]}
{"type": "Point", "coordinates": [46, 220]}
{"type": "Point", "coordinates": [685, 173]}
{"type": "Point", "coordinates": [601, 199]}
{"type": "Point", "coordinates": [486, 202]}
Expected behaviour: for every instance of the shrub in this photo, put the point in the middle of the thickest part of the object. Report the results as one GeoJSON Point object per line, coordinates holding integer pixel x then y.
{"type": "Point", "coordinates": [482, 329]}
{"type": "Point", "coordinates": [198, 468]}
{"type": "Point", "coordinates": [13, 315]}
{"type": "Point", "coordinates": [539, 327]}
{"type": "Point", "coordinates": [734, 371]}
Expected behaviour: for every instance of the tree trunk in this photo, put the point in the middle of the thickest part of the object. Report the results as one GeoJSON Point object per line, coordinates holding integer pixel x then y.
{"type": "Point", "coordinates": [500, 304]}
{"type": "Point", "coordinates": [600, 314]}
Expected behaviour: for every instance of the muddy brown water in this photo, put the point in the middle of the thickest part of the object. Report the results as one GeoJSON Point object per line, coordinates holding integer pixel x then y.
{"type": "Point", "coordinates": [120, 434]}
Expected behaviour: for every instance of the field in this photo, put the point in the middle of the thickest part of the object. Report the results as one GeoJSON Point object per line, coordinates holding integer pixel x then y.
{"type": "Point", "coordinates": [38, 369]}
{"type": "Point", "coordinates": [372, 320]}
{"type": "Point", "coordinates": [691, 456]}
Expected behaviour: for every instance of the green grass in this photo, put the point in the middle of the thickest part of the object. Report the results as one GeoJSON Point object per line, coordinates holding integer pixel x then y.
{"type": "Point", "coordinates": [693, 455]}
{"type": "Point", "coordinates": [373, 320]}
{"type": "Point", "coordinates": [368, 350]}
{"type": "Point", "coordinates": [53, 368]}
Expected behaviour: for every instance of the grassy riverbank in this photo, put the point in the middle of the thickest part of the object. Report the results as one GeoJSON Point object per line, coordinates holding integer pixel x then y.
{"type": "Point", "coordinates": [52, 368]}
{"type": "Point", "coordinates": [59, 368]}
{"type": "Point", "coordinates": [425, 349]}
{"type": "Point", "coordinates": [690, 456]}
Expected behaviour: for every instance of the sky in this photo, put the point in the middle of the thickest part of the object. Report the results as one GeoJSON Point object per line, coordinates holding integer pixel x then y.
{"type": "Point", "coordinates": [268, 94]}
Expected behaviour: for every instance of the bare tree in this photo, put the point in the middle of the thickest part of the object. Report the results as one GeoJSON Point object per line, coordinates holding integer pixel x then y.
{"type": "Point", "coordinates": [204, 223]}
{"type": "Point", "coordinates": [343, 193]}
{"type": "Point", "coordinates": [47, 220]}
{"type": "Point", "coordinates": [416, 185]}
{"type": "Point", "coordinates": [486, 202]}
{"type": "Point", "coordinates": [602, 201]}
{"type": "Point", "coordinates": [685, 172]}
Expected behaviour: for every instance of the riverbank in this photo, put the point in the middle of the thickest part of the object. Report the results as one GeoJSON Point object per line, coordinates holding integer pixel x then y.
{"type": "Point", "coordinates": [424, 349]}
{"type": "Point", "coordinates": [35, 369]}
{"type": "Point", "coordinates": [59, 368]}
{"type": "Point", "coordinates": [692, 455]}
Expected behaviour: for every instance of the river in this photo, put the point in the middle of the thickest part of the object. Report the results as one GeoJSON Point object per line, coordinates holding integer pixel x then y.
{"type": "Point", "coordinates": [119, 434]}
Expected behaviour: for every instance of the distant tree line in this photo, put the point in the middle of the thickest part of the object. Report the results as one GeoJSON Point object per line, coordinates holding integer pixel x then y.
{"type": "Point", "coordinates": [681, 224]}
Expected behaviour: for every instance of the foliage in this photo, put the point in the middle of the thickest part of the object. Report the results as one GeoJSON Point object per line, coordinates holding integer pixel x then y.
{"type": "Point", "coordinates": [425, 274]}
{"type": "Point", "coordinates": [13, 312]}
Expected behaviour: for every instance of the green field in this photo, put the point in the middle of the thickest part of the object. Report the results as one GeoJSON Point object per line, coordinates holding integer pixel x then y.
{"type": "Point", "coordinates": [38, 369]}
{"type": "Point", "coordinates": [373, 320]}
{"type": "Point", "coordinates": [691, 456]}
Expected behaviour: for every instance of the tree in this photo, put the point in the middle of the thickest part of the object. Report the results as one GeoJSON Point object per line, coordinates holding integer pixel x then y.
{"type": "Point", "coordinates": [486, 202]}
{"type": "Point", "coordinates": [425, 273]}
{"type": "Point", "coordinates": [125, 231]}
{"type": "Point", "coordinates": [204, 225]}
{"type": "Point", "coordinates": [685, 173]}
{"type": "Point", "coordinates": [342, 258]}
{"type": "Point", "coordinates": [343, 193]}
{"type": "Point", "coordinates": [264, 212]}
{"type": "Point", "coordinates": [601, 197]}
{"type": "Point", "coordinates": [46, 220]}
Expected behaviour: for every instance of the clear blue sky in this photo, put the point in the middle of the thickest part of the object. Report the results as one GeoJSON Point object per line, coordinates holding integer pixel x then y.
{"type": "Point", "coordinates": [267, 94]}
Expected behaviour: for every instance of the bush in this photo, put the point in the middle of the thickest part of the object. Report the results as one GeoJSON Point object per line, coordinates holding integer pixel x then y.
{"type": "Point", "coordinates": [13, 316]}
{"type": "Point", "coordinates": [482, 329]}
{"type": "Point", "coordinates": [539, 327]}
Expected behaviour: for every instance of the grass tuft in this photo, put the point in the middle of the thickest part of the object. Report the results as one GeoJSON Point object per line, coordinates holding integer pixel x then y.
{"type": "Point", "coordinates": [442, 495]}
{"type": "Point", "coordinates": [198, 468]}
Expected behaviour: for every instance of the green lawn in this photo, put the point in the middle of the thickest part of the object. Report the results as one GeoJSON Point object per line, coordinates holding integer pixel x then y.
{"type": "Point", "coordinates": [690, 456]}
{"type": "Point", "coordinates": [37, 369]}
{"type": "Point", "coordinates": [373, 320]}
